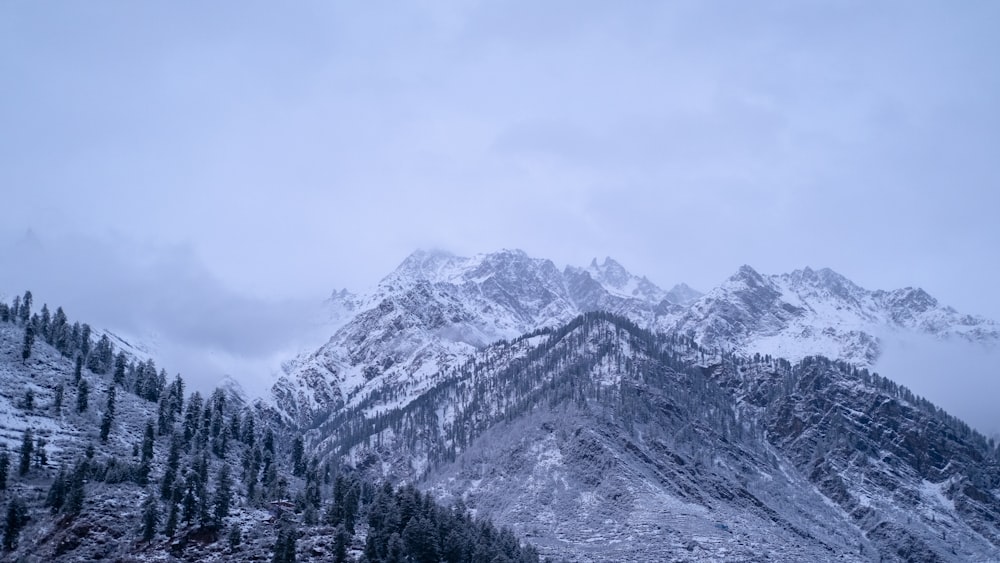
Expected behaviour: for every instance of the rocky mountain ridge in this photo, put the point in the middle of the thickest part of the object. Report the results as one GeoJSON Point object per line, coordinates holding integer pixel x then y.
{"type": "Point", "coordinates": [436, 309]}
{"type": "Point", "coordinates": [605, 442]}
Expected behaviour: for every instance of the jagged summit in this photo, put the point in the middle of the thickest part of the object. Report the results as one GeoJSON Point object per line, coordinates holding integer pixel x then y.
{"type": "Point", "coordinates": [437, 308]}
{"type": "Point", "coordinates": [682, 294]}
{"type": "Point", "coordinates": [809, 312]}
{"type": "Point", "coordinates": [620, 282]}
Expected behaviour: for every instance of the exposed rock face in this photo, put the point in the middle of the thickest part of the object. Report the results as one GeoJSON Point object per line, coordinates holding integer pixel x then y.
{"type": "Point", "coordinates": [600, 442]}
{"type": "Point", "coordinates": [435, 310]}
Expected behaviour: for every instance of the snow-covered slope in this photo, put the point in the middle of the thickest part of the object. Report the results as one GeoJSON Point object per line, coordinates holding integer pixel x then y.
{"type": "Point", "coordinates": [435, 310]}
{"type": "Point", "coordinates": [810, 312]}
{"type": "Point", "coordinates": [600, 442]}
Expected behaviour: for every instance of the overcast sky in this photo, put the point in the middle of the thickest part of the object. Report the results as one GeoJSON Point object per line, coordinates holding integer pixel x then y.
{"type": "Point", "coordinates": [238, 161]}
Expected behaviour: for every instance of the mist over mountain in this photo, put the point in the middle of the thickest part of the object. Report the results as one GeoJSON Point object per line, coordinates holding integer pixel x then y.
{"type": "Point", "coordinates": [479, 378]}
{"type": "Point", "coordinates": [589, 413]}
{"type": "Point", "coordinates": [447, 306]}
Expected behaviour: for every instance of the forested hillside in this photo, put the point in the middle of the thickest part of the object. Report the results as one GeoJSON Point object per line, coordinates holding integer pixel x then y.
{"type": "Point", "coordinates": [104, 457]}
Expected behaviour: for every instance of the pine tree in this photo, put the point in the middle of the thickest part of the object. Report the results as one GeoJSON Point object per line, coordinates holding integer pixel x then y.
{"type": "Point", "coordinates": [25, 311]}
{"type": "Point", "coordinates": [28, 403]}
{"type": "Point", "coordinates": [109, 414]}
{"type": "Point", "coordinates": [284, 546]}
{"type": "Point", "coordinates": [74, 489]}
{"type": "Point", "coordinates": [44, 324]}
{"type": "Point", "coordinates": [170, 474]}
{"type": "Point", "coordinates": [4, 468]}
{"type": "Point", "coordinates": [85, 340]}
{"type": "Point", "coordinates": [57, 403]}
{"type": "Point", "coordinates": [150, 516]}
{"type": "Point", "coordinates": [420, 539]}
{"type": "Point", "coordinates": [57, 492]}
{"type": "Point", "coordinates": [58, 332]}
{"type": "Point", "coordinates": [235, 536]}
{"type": "Point", "coordinates": [395, 550]}
{"type": "Point", "coordinates": [298, 452]}
{"type": "Point", "coordinates": [147, 454]}
{"type": "Point", "coordinates": [17, 517]}
{"type": "Point", "coordinates": [78, 370]}
{"type": "Point", "coordinates": [27, 448]}
{"type": "Point", "coordinates": [190, 501]}
{"type": "Point", "coordinates": [192, 417]}
{"type": "Point", "coordinates": [82, 395]}
{"type": "Point", "coordinates": [102, 357]}
{"type": "Point", "coordinates": [340, 541]}
{"type": "Point", "coordinates": [223, 496]}
{"type": "Point", "coordinates": [172, 516]}
{"type": "Point", "coordinates": [120, 363]}
{"type": "Point", "coordinates": [29, 341]}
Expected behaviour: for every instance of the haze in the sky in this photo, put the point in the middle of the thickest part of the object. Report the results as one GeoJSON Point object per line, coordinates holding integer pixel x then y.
{"type": "Point", "coordinates": [208, 172]}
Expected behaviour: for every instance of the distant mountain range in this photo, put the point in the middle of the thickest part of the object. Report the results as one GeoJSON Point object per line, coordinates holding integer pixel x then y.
{"type": "Point", "coordinates": [591, 413]}
{"type": "Point", "coordinates": [607, 419]}
{"type": "Point", "coordinates": [436, 309]}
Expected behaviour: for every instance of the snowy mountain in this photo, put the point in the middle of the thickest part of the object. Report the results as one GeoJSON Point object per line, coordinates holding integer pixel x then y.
{"type": "Point", "coordinates": [699, 425]}
{"type": "Point", "coordinates": [600, 441]}
{"type": "Point", "coordinates": [811, 312]}
{"type": "Point", "coordinates": [436, 309]}
{"type": "Point", "coordinates": [596, 415]}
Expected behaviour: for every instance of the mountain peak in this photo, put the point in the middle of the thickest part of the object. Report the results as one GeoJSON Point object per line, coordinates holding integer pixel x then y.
{"type": "Point", "coordinates": [683, 294]}
{"type": "Point", "coordinates": [610, 272]}
{"type": "Point", "coordinates": [748, 276]}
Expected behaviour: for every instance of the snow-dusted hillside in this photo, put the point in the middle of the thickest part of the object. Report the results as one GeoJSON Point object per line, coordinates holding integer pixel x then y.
{"type": "Point", "coordinates": [189, 478]}
{"type": "Point", "coordinates": [601, 442]}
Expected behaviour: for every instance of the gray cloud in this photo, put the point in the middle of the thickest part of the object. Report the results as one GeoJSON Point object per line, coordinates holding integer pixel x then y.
{"type": "Point", "coordinates": [949, 373]}
{"type": "Point", "coordinates": [164, 297]}
{"type": "Point", "coordinates": [294, 150]}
